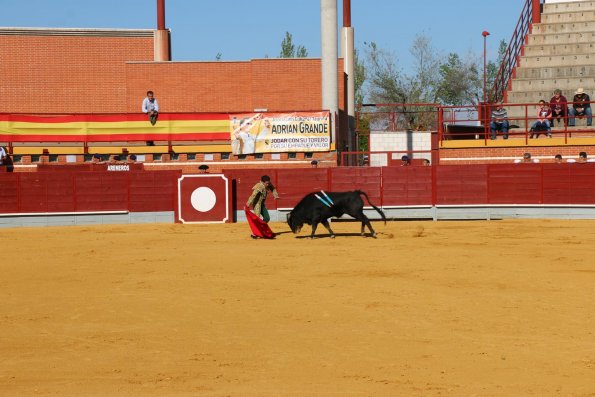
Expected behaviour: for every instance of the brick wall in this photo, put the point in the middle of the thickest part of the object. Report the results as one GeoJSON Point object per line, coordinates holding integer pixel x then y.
{"type": "Point", "coordinates": [42, 73]}
{"type": "Point", "coordinates": [273, 84]}
{"type": "Point", "coordinates": [109, 71]}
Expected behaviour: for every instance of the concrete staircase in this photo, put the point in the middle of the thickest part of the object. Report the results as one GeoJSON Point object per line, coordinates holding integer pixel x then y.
{"type": "Point", "coordinates": [560, 54]}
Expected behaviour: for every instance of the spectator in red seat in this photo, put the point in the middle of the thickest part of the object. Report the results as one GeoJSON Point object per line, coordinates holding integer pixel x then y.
{"type": "Point", "coordinates": [544, 119]}
{"type": "Point", "coordinates": [559, 106]}
{"type": "Point", "coordinates": [581, 106]}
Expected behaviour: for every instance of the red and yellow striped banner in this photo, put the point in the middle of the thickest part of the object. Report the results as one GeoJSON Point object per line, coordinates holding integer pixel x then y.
{"type": "Point", "coordinates": [111, 128]}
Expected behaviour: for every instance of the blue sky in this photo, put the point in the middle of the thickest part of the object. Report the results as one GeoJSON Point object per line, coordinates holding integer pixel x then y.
{"type": "Point", "coordinates": [242, 30]}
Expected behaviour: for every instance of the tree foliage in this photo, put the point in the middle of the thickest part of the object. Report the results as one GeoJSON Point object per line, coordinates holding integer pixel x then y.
{"type": "Point", "coordinates": [387, 83]}
{"type": "Point", "coordinates": [289, 50]}
{"type": "Point", "coordinates": [460, 81]}
{"type": "Point", "coordinates": [492, 67]}
{"type": "Point", "coordinates": [362, 121]}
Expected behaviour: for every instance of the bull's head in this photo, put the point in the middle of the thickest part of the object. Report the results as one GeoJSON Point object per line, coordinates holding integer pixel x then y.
{"type": "Point", "coordinates": [294, 225]}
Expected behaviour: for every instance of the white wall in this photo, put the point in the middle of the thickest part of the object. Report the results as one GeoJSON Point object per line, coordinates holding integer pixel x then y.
{"type": "Point", "coordinates": [398, 142]}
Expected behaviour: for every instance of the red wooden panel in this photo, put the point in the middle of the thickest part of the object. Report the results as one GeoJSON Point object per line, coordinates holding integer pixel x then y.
{"type": "Point", "coordinates": [153, 190]}
{"type": "Point", "coordinates": [514, 184]}
{"type": "Point", "coordinates": [294, 184]}
{"type": "Point", "coordinates": [406, 186]}
{"type": "Point", "coordinates": [557, 184]}
{"type": "Point", "coordinates": [419, 185]}
{"type": "Point", "coordinates": [582, 178]}
{"type": "Point", "coordinates": [394, 186]}
{"type": "Point", "coordinates": [9, 192]}
{"type": "Point", "coordinates": [33, 192]}
{"type": "Point", "coordinates": [60, 192]}
{"type": "Point", "coordinates": [64, 167]}
{"type": "Point", "coordinates": [101, 191]}
{"type": "Point", "coordinates": [367, 179]}
{"type": "Point", "coordinates": [461, 184]}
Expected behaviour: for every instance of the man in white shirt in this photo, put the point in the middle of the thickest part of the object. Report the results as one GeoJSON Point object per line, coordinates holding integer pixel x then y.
{"type": "Point", "coordinates": [151, 107]}
{"type": "Point", "coordinates": [3, 156]}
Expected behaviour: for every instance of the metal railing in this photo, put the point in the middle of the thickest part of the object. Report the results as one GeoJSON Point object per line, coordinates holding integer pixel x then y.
{"type": "Point", "coordinates": [521, 124]}
{"type": "Point", "coordinates": [530, 14]}
{"type": "Point", "coordinates": [470, 122]}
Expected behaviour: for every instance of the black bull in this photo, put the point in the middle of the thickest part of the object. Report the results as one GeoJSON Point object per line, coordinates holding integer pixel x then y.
{"type": "Point", "coordinates": [315, 208]}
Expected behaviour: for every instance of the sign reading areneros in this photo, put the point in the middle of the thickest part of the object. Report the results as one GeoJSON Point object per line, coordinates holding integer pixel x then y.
{"type": "Point", "coordinates": [280, 132]}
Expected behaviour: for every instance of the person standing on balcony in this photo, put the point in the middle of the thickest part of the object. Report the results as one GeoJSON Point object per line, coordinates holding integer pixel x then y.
{"type": "Point", "coordinates": [581, 106]}
{"type": "Point", "coordinates": [499, 121]}
{"type": "Point", "coordinates": [559, 106]}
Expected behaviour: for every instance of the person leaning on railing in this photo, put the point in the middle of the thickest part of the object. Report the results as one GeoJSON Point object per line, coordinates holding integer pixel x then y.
{"type": "Point", "coordinates": [559, 106]}
{"type": "Point", "coordinates": [581, 106]}
{"type": "Point", "coordinates": [544, 120]}
{"type": "Point", "coordinates": [3, 156]}
{"type": "Point", "coordinates": [499, 122]}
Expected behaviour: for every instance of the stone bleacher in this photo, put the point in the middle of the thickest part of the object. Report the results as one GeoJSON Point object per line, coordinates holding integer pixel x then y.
{"type": "Point", "coordinates": [559, 54]}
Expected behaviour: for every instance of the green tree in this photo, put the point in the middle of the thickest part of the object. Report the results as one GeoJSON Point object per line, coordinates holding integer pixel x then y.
{"type": "Point", "coordinates": [362, 121]}
{"type": "Point", "coordinates": [385, 84]}
{"type": "Point", "coordinates": [301, 52]}
{"type": "Point", "coordinates": [388, 84]}
{"type": "Point", "coordinates": [426, 76]}
{"type": "Point", "coordinates": [423, 83]}
{"type": "Point", "coordinates": [360, 78]}
{"type": "Point", "coordinates": [492, 68]}
{"type": "Point", "coordinates": [289, 50]}
{"type": "Point", "coordinates": [460, 83]}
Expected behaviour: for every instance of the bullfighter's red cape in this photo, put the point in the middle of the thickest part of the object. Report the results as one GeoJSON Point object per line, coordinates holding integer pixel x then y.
{"type": "Point", "coordinates": [259, 227]}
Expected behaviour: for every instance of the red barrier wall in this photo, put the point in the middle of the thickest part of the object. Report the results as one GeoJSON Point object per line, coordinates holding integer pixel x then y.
{"type": "Point", "coordinates": [452, 184]}
{"type": "Point", "coordinates": [88, 191]}
{"type": "Point", "coordinates": [461, 185]}
{"type": "Point", "coordinates": [406, 186]}
{"type": "Point", "coordinates": [387, 186]}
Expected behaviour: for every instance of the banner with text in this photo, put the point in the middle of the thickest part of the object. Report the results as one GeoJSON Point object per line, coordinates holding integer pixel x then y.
{"type": "Point", "coordinates": [280, 132]}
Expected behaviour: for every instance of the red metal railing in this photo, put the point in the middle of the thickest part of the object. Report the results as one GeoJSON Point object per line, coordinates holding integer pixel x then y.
{"type": "Point", "coordinates": [520, 126]}
{"type": "Point", "coordinates": [452, 123]}
{"type": "Point", "coordinates": [530, 14]}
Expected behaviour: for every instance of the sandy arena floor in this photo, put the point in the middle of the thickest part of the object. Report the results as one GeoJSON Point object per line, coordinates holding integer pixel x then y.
{"type": "Point", "coordinates": [500, 308]}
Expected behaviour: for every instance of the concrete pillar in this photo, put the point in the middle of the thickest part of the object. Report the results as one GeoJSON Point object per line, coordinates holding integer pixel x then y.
{"type": "Point", "coordinates": [161, 49]}
{"type": "Point", "coordinates": [328, 36]}
{"type": "Point", "coordinates": [348, 55]}
{"type": "Point", "coordinates": [161, 46]}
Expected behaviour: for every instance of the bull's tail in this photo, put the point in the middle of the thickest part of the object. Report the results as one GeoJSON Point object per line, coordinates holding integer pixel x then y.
{"type": "Point", "coordinates": [373, 206]}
